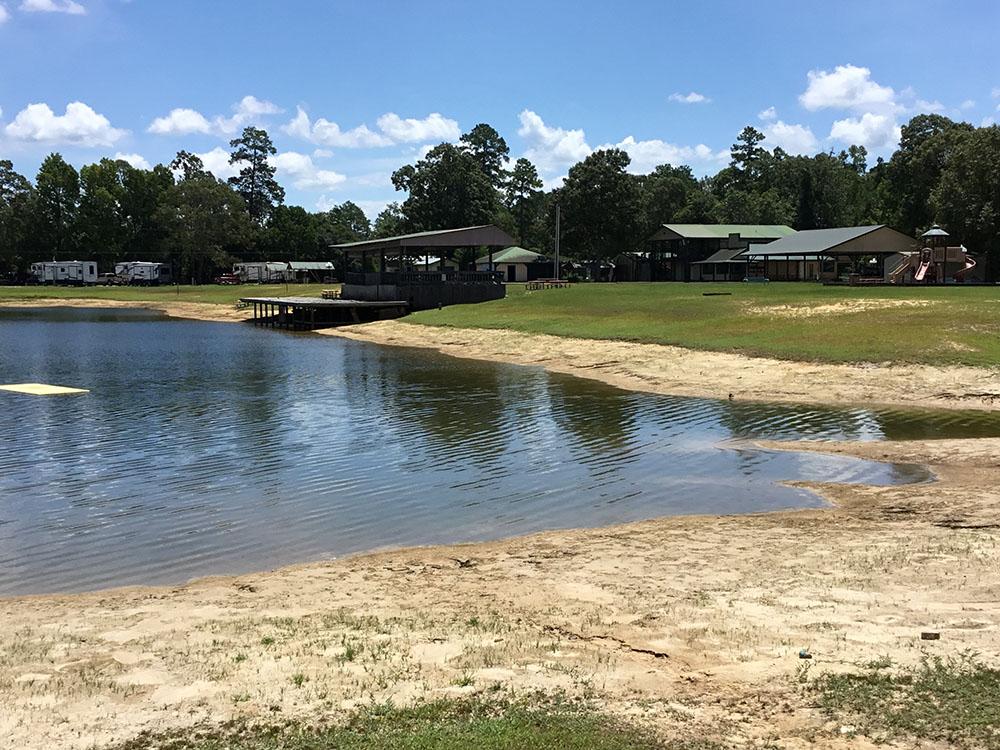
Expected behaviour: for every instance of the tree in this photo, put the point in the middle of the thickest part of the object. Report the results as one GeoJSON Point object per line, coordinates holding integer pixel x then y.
{"type": "Point", "coordinates": [291, 234]}
{"type": "Point", "coordinates": [205, 222]}
{"type": "Point", "coordinates": [447, 189]}
{"type": "Point", "coordinates": [15, 204]}
{"type": "Point", "coordinates": [747, 155]}
{"type": "Point", "coordinates": [57, 192]}
{"type": "Point", "coordinates": [489, 149]}
{"type": "Point", "coordinates": [390, 222]}
{"type": "Point", "coordinates": [600, 202]}
{"type": "Point", "coordinates": [256, 182]}
{"type": "Point", "coordinates": [663, 193]}
{"type": "Point", "coordinates": [188, 165]}
{"type": "Point", "coordinates": [523, 198]}
{"type": "Point", "coordinates": [345, 223]}
{"type": "Point", "coordinates": [967, 198]}
{"type": "Point", "coordinates": [101, 222]}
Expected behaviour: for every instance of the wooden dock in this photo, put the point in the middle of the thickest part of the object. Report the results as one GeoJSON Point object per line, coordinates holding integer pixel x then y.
{"type": "Point", "coordinates": [308, 313]}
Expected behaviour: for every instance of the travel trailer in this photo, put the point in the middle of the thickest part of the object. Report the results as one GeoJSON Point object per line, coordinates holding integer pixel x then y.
{"type": "Point", "coordinates": [143, 273]}
{"type": "Point", "coordinates": [69, 272]}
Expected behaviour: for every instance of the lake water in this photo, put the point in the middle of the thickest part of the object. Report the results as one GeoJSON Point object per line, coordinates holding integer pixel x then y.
{"type": "Point", "coordinates": [209, 448]}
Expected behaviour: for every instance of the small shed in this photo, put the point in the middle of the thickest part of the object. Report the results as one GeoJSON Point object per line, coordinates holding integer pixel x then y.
{"type": "Point", "coordinates": [518, 264]}
{"type": "Point", "coordinates": [310, 270]}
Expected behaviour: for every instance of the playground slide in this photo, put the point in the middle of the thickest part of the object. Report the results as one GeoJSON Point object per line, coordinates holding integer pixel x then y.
{"type": "Point", "coordinates": [969, 264]}
{"type": "Point", "coordinates": [922, 271]}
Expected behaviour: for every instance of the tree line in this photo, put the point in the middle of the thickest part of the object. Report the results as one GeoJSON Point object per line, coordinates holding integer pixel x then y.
{"type": "Point", "coordinates": [943, 171]}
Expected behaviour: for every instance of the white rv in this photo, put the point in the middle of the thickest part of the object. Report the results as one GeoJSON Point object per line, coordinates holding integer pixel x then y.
{"type": "Point", "coordinates": [73, 272]}
{"type": "Point", "coordinates": [269, 272]}
{"type": "Point", "coordinates": [143, 273]}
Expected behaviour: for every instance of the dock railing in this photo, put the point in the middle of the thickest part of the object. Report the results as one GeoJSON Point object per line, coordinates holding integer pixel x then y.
{"type": "Point", "coordinates": [423, 278]}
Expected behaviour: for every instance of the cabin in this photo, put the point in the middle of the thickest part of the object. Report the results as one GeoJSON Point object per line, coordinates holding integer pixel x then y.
{"type": "Point", "coordinates": [518, 264]}
{"type": "Point", "coordinates": [841, 253]}
{"type": "Point", "coordinates": [263, 272]}
{"type": "Point", "coordinates": [383, 270]}
{"type": "Point", "coordinates": [143, 273]}
{"type": "Point", "coordinates": [676, 251]}
{"type": "Point", "coordinates": [66, 272]}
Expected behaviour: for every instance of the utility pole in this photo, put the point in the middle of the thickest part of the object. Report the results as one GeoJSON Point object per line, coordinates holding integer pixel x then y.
{"type": "Point", "coordinates": [556, 264]}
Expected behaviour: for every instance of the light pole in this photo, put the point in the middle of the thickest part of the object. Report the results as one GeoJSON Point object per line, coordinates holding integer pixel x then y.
{"type": "Point", "coordinates": [556, 264]}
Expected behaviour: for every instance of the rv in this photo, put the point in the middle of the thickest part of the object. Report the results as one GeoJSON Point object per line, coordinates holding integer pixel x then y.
{"type": "Point", "coordinates": [70, 272]}
{"type": "Point", "coordinates": [143, 273]}
{"type": "Point", "coordinates": [270, 272]}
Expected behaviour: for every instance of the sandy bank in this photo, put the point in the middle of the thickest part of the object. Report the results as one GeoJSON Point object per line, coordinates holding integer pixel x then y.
{"type": "Point", "coordinates": [686, 372]}
{"type": "Point", "coordinates": [176, 309]}
{"type": "Point", "coordinates": [690, 623]}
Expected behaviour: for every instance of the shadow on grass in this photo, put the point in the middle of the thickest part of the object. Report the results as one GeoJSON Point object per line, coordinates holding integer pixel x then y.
{"type": "Point", "coordinates": [441, 725]}
{"type": "Point", "coordinates": [956, 700]}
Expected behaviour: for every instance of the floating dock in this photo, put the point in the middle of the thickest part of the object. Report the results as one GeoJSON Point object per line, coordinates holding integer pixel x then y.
{"type": "Point", "coordinates": [308, 313]}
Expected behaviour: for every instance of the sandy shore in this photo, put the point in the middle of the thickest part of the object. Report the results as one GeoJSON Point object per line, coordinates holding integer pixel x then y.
{"type": "Point", "coordinates": [686, 372]}
{"type": "Point", "coordinates": [689, 624]}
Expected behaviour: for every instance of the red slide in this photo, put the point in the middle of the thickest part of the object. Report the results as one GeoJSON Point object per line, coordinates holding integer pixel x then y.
{"type": "Point", "coordinates": [922, 271]}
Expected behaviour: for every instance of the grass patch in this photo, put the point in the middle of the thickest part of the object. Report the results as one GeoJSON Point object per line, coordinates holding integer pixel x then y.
{"type": "Point", "coordinates": [797, 321]}
{"type": "Point", "coordinates": [208, 293]}
{"type": "Point", "coordinates": [956, 700]}
{"type": "Point", "coordinates": [442, 725]}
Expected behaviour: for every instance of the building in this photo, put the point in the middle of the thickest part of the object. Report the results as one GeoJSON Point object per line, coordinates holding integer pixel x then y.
{"type": "Point", "coordinates": [143, 273]}
{"type": "Point", "coordinates": [518, 264]}
{"type": "Point", "coordinates": [871, 252]}
{"type": "Point", "coordinates": [67, 272]}
{"type": "Point", "coordinates": [382, 270]}
{"type": "Point", "coordinates": [318, 271]}
{"type": "Point", "coordinates": [675, 248]}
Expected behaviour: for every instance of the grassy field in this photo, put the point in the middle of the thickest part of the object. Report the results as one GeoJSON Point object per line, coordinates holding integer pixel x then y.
{"type": "Point", "coordinates": [799, 321]}
{"type": "Point", "coordinates": [210, 293]}
{"type": "Point", "coordinates": [443, 725]}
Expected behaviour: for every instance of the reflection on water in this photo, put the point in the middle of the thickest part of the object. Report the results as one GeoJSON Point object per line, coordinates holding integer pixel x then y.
{"type": "Point", "coordinates": [212, 448]}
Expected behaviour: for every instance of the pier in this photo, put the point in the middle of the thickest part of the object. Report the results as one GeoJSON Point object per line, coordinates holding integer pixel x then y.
{"type": "Point", "coordinates": [308, 313]}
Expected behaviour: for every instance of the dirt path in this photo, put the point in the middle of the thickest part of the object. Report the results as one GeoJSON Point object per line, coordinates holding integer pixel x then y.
{"type": "Point", "coordinates": [690, 624]}
{"type": "Point", "coordinates": [686, 372]}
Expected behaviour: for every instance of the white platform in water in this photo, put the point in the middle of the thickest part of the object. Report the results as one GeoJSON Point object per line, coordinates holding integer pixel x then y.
{"type": "Point", "coordinates": [41, 389]}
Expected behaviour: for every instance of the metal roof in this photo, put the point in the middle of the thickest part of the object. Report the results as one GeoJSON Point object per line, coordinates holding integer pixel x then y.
{"type": "Point", "coordinates": [722, 231]}
{"type": "Point", "coordinates": [935, 231]}
{"type": "Point", "coordinates": [727, 255]}
{"type": "Point", "coordinates": [819, 241]}
{"type": "Point", "coordinates": [488, 235]}
{"type": "Point", "coordinates": [310, 265]}
{"type": "Point", "coordinates": [514, 254]}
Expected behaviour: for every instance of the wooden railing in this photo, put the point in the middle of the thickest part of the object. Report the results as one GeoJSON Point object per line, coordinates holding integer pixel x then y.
{"type": "Point", "coordinates": [423, 278]}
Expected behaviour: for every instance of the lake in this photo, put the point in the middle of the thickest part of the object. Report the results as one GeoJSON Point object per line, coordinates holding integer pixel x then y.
{"type": "Point", "coordinates": [207, 448]}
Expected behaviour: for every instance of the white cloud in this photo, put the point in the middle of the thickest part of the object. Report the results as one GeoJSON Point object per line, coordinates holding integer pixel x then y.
{"type": "Point", "coordinates": [326, 133]}
{"type": "Point", "coordinates": [551, 148]}
{"type": "Point", "coordinates": [53, 6]}
{"type": "Point", "coordinates": [693, 98]}
{"type": "Point", "coordinates": [872, 131]}
{"type": "Point", "coordinates": [247, 111]}
{"type": "Point", "coordinates": [303, 172]}
{"type": "Point", "coordinates": [79, 126]}
{"type": "Point", "coordinates": [136, 160]}
{"type": "Point", "coordinates": [216, 161]}
{"type": "Point", "coordinates": [967, 104]}
{"type": "Point", "coordinates": [995, 93]}
{"type": "Point", "coordinates": [434, 127]}
{"type": "Point", "coordinates": [4, 14]}
{"type": "Point", "coordinates": [647, 155]}
{"type": "Point", "coordinates": [322, 153]}
{"type": "Point", "coordinates": [768, 114]}
{"type": "Point", "coordinates": [924, 106]}
{"type": "Point", "coordinates": [847, 87]}
{"type": "Point", "coordinates": [987, 122]}
{"type": "Point", "coordinates": [180, 121]}
{"type": "Point", "coordinates": [794, 139]}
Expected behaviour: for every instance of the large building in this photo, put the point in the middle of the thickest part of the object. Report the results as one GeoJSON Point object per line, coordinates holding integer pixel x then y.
{"type": "Point", "coordinates": [677, 252]}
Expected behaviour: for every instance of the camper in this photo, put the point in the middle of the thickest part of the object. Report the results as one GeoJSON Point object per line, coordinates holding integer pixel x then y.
{"type": "Point", "coordinates": [143, 273]}
{"type": "Point", "coordinates": [270, 272]}
{"type": "Point", "coordinates": [68, 272]}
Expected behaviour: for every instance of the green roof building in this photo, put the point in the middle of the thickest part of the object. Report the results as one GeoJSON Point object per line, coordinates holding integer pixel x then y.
{"type": "Point", "coordinates": [677, 251]}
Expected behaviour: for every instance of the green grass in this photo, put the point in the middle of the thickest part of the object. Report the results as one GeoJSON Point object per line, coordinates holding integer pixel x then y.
{"type": "Point", "coordinates": [955, 700]}
{"type": "Point", "coordinates": [210, 293]}
{"type": "Point", "coordinates": [442, 725]}
{"type": "Point", "coordinates": [945, 325]}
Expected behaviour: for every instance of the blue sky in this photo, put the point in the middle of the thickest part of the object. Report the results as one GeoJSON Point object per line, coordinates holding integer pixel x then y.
{"type": "Point", "coordinates": [351, 90]}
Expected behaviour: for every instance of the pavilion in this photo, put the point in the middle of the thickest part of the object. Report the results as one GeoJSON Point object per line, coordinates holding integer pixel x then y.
{"type": "Point", "coordinates": [387, 269]}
